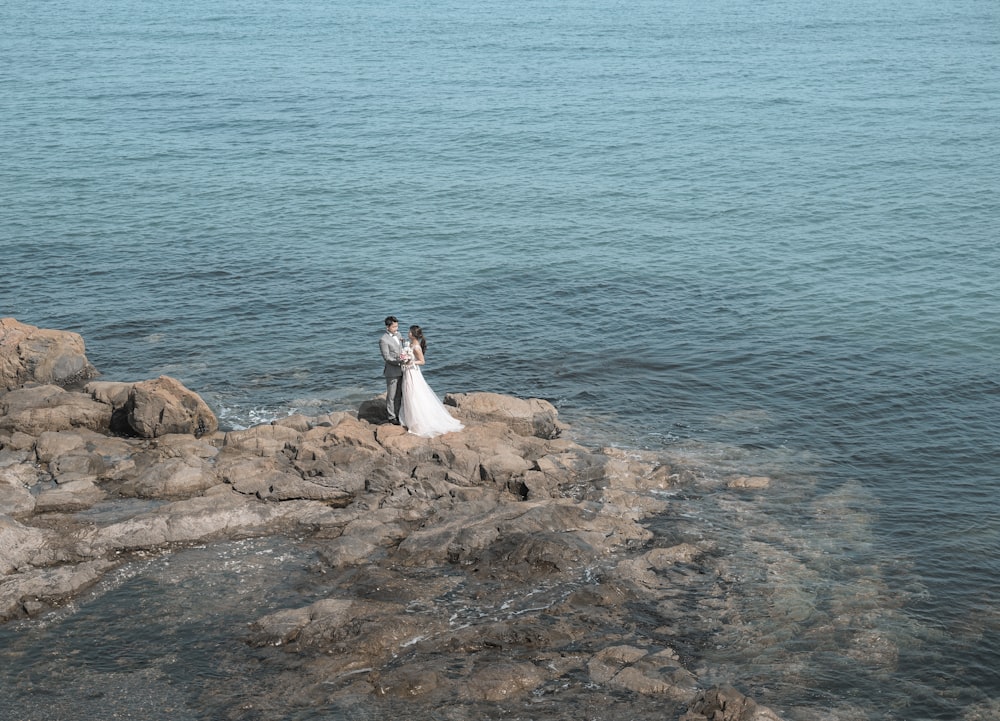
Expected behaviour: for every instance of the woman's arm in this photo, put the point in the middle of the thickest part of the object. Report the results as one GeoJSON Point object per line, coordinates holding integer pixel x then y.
{"type": "Point", "coordinates": [418, 355]}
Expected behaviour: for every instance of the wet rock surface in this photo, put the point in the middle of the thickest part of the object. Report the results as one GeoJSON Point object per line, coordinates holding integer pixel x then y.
{"type": "Point", "coordinates": [489, 571]}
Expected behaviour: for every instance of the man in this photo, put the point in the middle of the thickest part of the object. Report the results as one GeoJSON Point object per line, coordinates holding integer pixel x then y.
{"type": "Point", "coordinates": [391, 346]}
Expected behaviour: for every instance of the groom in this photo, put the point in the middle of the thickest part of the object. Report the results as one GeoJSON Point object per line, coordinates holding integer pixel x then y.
{"type": "Point", "coordinates": [391, 346]}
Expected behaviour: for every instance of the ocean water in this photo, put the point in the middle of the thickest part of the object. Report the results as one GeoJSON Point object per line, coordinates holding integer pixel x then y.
{"type": "Point", "coordinates": [760, 234]}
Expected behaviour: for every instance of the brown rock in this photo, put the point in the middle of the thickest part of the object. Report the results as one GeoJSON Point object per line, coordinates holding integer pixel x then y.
{"type": "Point", "coordinates": [353, 432]}
{"type": "Point", "coordinates": [265, 440]}
{"type": "Point", "coordinates": [410, 682]}
{"type": "Point", "coordinates": [161, 406]}
{"type": "Point", "coordinates": [725, 703]}
{"type": "Point", "coordinates": [50, 408]}
{"type": "Point", "coordinates": [75, 494]}
{"type": "Point", "coordinates": [663, 558]}
{"type": "Point", "coordinates": [501, 680]}
{"type": "Point", "coordinates": [52, 444]}
{"type": "Point", "coordinates": [213, 515]}
{"type": "Point", "coordinates": [15, 500]}
{"type": "Point", "coordinates": [29, 354]}
{"type": "Point", "coordinates": [499, 469]}
{"type": "Point", "coordinates": [171, 478]}
{"type": "Point", "coordinates": [22, 546]}
{"type": "Point", "coordinates": [527, 417]}
{"type": "Point", "coordinates": [749, 482]}
{"type": "Point", "coordinates": [34, 589]}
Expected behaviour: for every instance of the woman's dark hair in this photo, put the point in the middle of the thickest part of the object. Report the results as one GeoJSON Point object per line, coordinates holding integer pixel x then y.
{"type": "Point", "coordinates": [419, 335]}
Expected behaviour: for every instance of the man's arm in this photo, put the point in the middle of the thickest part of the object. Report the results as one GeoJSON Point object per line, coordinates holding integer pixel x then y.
{"type": "Point", "coordinates": [388, 354]}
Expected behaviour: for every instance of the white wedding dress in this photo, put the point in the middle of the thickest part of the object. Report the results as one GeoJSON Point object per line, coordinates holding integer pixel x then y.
{"type": "Point", "coordinates": [421, 413]}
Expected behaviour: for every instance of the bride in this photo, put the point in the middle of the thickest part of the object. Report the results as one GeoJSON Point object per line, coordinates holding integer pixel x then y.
{"type": "Point", "coordinates": [421, 412]}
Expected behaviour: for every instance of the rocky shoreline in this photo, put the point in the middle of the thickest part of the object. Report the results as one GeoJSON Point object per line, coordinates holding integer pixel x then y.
{"type": "Point", "coordinates": [495, 512]}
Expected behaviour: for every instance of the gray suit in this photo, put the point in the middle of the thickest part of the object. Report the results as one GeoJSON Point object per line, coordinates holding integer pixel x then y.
{"type": "Point", "coordinates": [391, 346]}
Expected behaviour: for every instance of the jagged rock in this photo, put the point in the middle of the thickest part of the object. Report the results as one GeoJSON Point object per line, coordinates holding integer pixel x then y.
{"type": "Point", "coordinates": [502, 553]}
{"type": "Point", "coordinates": [528, 417]}
{"type": "Point", "coordinates": [749, 482]}
{"type": "Point", "coordinates": [347, 551]}
{"type": "Point", "coordinates": [171, 477]}
{"type": "Point", "coordinates": [29, 354]}
{"type": "Point", "coordinates": [22, 546]}
{"type": "Point", "coordinates": [531, 537]}
{"type": "Point", "coordinates": [266, 440]}
{"type": "Point", "coordinates": [74, 494]}
{"type": "Point", "coordinates": [33, 590]}
{"type": "Point", "coordinates": [663, 558]}
{"type": "Point", "coordinates": [161, 406]}
{"type": "Point", "coordinates": [19, 473]}
{"type": "Point", "coordinates": [218, 514]}
{"type": "Point", "coordinates": [501, 680]}
{"type": "Point", "coordinates": [39, 409]}
{"type": "Point", "coordinates": [410, 681]}
{"type": "Point", "coordinates": [725, 703]}
{"type": "Point", "coordinates": [51, 444]}
{"type": "Point", "coordinates": [15, 500]}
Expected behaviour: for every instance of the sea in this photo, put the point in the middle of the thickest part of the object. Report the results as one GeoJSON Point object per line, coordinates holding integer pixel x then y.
{"type": "Point", "coordinates": [763, 235]}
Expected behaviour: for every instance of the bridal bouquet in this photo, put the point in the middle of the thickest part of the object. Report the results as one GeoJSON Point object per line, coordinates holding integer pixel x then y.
{"type": "Point", "coordinates": [405, 356]}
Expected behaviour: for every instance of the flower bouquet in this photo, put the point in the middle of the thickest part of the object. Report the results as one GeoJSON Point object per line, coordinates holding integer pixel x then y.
{"type": "Point", "coordinates": [406, 357]}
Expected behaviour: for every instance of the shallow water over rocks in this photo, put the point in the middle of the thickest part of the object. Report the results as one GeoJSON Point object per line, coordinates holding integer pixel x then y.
{"type": "Point", "coordinates": [724, 591]}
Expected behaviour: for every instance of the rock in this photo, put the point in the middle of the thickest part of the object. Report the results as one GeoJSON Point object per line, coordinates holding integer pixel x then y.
{"type": "Point", "coordinates": [183, 445]}
{"type": "Point", "coordinates": [114, 394]}
{"type": "Point", "coordinates": [725, 703]}
{"type": "Point", "coordinates": [664, 558]}
{"type": "Point", "coordinates": [39, 409]}
{"type": "Point", "coordinates": [29, 354]}
{"type": "Point", "coordinates": [218, 514]}
{"type": "Point", "coordinates": [531, 538]}
{"type": "Point", "coordinates": [51, 444]}
{"type": "Point", "coordinates": [15, 500]}
{"type": "Point", "coordinates": [22, 546]}
{"type": "Point", "coordinates": [171, 478]}
{"type": "Point", "coordinates": [16, 441]}
{"type": "Point", "coordinates": [475, 571]}
{"type": "Point", "coordinates": [410, 681]}
{"type": "Point", "coordinates": [21, 474]}
{"type": "Point", "coordinates": [347, 551]}
{"type": "Point", "coordinates": [607, 663]}
{"type": "Point", "coordinates": [352, 432]}
{"type": "Point", "coordinates": [640, 671]}
{"type": "Point", "coordinates": [501, 680]}
{"type": "Point", "coordinates": [749, 482]}
{"type": "Point", "coordinates": [502, 467]}
{"type": "Point", "coordinates": [33, 591]}
{"type": "Point", "coordinates": [161, 406]}
{"type": "Point", "coordinates": [73, 495]}
{"type": "Point", "coordinates": [528, 417]}
{"type": "Point", "coordinates": [373, 410]}
{"type": "Point", "coordinates": [266, 440]}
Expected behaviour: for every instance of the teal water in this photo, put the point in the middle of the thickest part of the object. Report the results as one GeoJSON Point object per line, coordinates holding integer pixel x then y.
{"type": "Point", "coordinates": [762, 231]}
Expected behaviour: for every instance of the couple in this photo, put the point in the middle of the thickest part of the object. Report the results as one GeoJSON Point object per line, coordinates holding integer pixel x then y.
{"type": "Point", "coordinates": [409, 401]}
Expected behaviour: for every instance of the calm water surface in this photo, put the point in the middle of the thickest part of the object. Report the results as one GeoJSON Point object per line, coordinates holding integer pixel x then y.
{"type": "Point", "coordinates": [764, 235]}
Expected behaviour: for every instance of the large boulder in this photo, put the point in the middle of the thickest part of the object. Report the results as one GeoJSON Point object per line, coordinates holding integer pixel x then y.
{"type": "Point", "coordinates": [34, 355]}
{"type": "Point", "coordinates": [524, 416]}
{"type": "Point", "coordinates": [163, 405]}
{"type": "Point", "coordinates": [50, 408]}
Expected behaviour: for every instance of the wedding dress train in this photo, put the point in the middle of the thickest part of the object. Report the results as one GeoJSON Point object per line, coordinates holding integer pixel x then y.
{"type": "Point", "coordinates": [421, 412]}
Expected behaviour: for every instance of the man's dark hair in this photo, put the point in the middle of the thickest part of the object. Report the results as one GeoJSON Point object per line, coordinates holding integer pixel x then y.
{"type": "Point", "coordinates": [390, 320]}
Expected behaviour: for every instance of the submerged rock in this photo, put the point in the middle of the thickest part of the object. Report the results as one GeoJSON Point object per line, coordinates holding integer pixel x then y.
{"type": "Point", "coordinates": [475, 570]}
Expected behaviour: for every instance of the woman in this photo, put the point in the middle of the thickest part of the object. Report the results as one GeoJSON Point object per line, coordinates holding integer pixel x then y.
{"type": "Point", "coordinates": [422, 413]}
